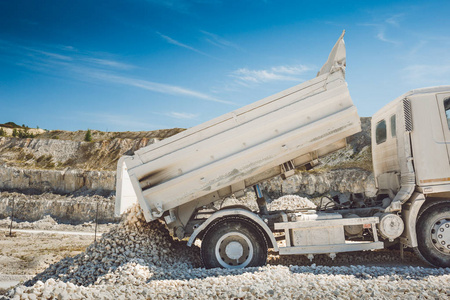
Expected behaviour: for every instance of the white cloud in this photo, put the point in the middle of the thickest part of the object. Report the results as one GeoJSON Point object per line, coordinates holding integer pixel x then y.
{"type": "Point", "coordinates": [278, 73]}
{"type": "Point", "coordinates": [108, 63]}
{"type": "Point", "coordinates": [52, 55]}
{"type": "Point", "coordinates": [67, 48]}
{"type": "Point", "coordinates": [422, 75]}
{"type": "Point", "coordinates": [179, 44]}
{"type": "Point", "coordinates": [156, 87]}
{"type": "Point", "coordinates": [394, 20]}
{"type": "Point", "coordinates": [381, 36]}
{"type": "Point", "coordinates": [59, 58]}
{"type": "Point", "coordinates": [219, 41]}
{"type": "Point", "coordinates": [416, 48]}
{"type": "Point", "coordinates": [181, 115]}
{"type": "Point", "coordinates": [383, 26]}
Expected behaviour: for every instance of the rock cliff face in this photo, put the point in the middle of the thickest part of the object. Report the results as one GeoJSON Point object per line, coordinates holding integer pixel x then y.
{"type": "Point", "coordinates": [53, 154]}
{"type": "Point", "coordinates": [102, 136]}
{"type": "Point", "coordinates": [62, 166]}
{"type": "Point", "coordinates": [45, 165]}
{"type": "Point", "coordinates": [64, 209]}
{"type": "Point", "coordinates": [64, 182]}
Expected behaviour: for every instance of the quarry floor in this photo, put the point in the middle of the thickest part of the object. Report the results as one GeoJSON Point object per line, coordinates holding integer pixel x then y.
{"type": "Point", "coordinates": [34, 246]}
{"type": "Point", "coordinates": [28, 252]}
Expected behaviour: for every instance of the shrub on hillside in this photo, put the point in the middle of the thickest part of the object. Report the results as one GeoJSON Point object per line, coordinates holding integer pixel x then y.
{"type": "Point", "coordinates": [25, 134]}
{"type": "Point", "coordinates": [88, 136]}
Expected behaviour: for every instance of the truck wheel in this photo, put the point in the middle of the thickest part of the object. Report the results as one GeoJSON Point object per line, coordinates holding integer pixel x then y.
{"type": "Point", "coordinates": [234, 243]}
{"type": "Point", "coordinates": [433, 234]}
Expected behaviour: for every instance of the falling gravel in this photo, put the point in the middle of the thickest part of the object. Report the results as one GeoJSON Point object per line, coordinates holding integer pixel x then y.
{"type": "Point", "coordinates": [140, 260]}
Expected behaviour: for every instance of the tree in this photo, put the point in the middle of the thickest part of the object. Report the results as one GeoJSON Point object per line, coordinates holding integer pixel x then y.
{"type": "Point", "coordinates": [2, 132]}
{"type": "Point", "coordinates": [88, 136]}
{"type": "Point", "coordinates": [15, 133]}
{"type": "Point", "coordinates": [24, 134]}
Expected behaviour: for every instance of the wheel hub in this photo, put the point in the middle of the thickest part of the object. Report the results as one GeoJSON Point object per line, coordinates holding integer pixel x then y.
{"type": "Point", "coordinates": [440, 235]}
{"type": "Point", "coordinates": [234, 250]}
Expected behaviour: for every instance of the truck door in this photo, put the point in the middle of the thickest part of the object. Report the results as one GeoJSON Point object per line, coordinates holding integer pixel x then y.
{"type": "Point", "coordinates": [443, 102]}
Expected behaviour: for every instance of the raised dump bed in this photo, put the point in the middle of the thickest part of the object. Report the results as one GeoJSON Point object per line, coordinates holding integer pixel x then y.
{"type": "Point", "coordinates": [239, 149]}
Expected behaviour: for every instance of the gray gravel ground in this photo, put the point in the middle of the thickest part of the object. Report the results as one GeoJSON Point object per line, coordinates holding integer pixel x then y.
{"type": "Point", "coordinates": [139, 260]}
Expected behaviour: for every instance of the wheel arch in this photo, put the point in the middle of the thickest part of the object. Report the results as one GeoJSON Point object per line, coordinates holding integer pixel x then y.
{"type": "Point", "coordinates": [411, 212]}
{"type": "Point", "coordinates": [430, 201]}
{"type": "Point", "coordinates": [240, 212]}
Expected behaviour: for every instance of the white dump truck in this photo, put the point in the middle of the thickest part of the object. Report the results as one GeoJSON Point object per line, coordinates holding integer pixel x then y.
{"type": "Point", "coordinates": [180, 179]}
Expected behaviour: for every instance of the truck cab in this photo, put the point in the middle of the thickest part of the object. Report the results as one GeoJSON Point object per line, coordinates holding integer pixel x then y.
{"type": "Point", "coordinates": [410, 149]}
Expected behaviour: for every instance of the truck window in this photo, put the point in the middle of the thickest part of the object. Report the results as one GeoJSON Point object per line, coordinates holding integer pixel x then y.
{"type": "Point", "coordinates": [447, 111]}
{"type": "Point", "coordinates": [393, 126]}
{"type": "Point", "coordinates": [380, 133]}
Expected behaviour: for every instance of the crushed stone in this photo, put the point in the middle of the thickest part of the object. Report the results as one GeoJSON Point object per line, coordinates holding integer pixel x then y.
{"type": "Point", "coordinates": [140, 260]}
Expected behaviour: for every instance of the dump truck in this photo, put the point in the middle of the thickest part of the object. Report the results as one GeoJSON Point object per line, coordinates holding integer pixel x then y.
{"type": "Point", "coordinates": [179, 180]}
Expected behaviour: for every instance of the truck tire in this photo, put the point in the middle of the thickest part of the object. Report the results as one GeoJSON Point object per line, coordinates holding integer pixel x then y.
{"type": "Point", "coordinates": [233, 243]}
{"type": "Point", "coordinates": [433, 234]}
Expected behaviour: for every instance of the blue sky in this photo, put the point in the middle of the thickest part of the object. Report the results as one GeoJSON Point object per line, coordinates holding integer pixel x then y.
{"type": "Point", "coordinates": [146, 64]}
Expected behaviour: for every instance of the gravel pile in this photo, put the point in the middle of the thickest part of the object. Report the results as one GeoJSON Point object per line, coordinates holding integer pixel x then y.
{"type": "Point", "coordinates": [139, 260]}
{"type": "Point", "coordinates": [291, 202]}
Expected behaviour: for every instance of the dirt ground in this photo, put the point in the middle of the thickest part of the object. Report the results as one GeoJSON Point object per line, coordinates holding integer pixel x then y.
{"type": "Point", "coordinates": [31, 253]}
{"type": "Point", "coordinates": [25, 254]}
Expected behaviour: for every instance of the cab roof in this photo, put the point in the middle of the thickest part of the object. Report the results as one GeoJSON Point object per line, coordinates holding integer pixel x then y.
{"type": "Point", "coordinates": [427, 90]}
